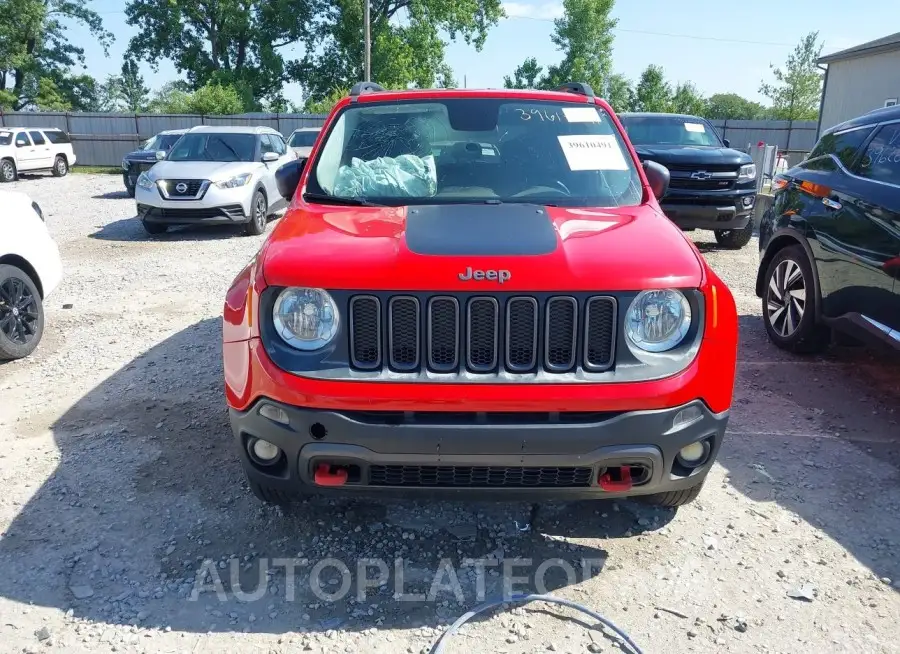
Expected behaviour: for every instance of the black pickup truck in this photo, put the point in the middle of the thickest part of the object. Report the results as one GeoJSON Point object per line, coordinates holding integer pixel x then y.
{"type": "Point", "coordinates": [712, 186]}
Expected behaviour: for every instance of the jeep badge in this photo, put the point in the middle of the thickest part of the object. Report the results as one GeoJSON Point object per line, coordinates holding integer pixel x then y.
{"type": "Point", "coordinates": [490, 275]}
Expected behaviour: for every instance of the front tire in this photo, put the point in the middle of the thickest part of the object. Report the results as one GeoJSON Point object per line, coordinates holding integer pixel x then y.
{"type": "Point", "coordinates": [154, 228]}
{"type": "Point", "coordinates": [790, 304]}
{"type": "Point", "coordinates": [735, 239]}
{"type": "Point", "coordinates": [21, 314]}
{"type": "Point", "coordinates": [259, 211]}
{"type": "Point", "coordinates": [8, 172]}
{"type": "Point", "coordinates": [673, 499]}
{"type": "Point", "coordinates": [60, 166]}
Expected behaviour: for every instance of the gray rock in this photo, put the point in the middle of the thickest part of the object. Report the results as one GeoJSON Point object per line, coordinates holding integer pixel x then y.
{"type": "Point", "coordinates": [82, 591]}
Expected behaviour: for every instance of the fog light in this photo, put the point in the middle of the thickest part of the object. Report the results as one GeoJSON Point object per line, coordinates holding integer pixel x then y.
{"type": "Point", "coordinates": [274, 413]}
{"type": "Point", "coordinates": [748, 201]}
{"type": "Point", "coordinates": [264, 452]}
{"type": "Point", "coordinates": [694, 455]}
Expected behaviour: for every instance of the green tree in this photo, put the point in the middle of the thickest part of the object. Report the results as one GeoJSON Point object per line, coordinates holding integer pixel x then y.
{"type": "Point", "coordinates": [621, 93]}
{"type": "Point", "coordinates": [170, 98]}
{"type": "Point", "coordinates": [228, 42]}
{"type": "Point", "coordinates": [407, 47]}
{"type": "Point", "coordinates": [731, 106]}
{"type": "Point", "coordinates": [653, 92]}
{"type": "Point", "coordinates": [326, 104]}
{"type": "Point", "coordinates": [35, 53]}
{"type": "Point", "coordinates": [584, 34]}
{"type": "Point", "coordinates": [209, 99]}
{"type": "Point", "coordinates": [798, 88]}
{"type": "Point", "coordinates": [526, 76]}
{"type": "Point", "coordinates": [130, 91]}
{"type": "Point", "coordinates": [688, 100]}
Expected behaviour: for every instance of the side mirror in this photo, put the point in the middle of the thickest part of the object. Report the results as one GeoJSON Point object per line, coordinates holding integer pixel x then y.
{"type": "Point", "coordinates": [658, 177]}
{"type": "Point", "coordinates": [287, 178]}
{"type": "Point", "coordinates": [269, 157]}
{"type": "Point", "coordinates": [160, 155]}
{"type": "Point", "coordinates": [727, 143]}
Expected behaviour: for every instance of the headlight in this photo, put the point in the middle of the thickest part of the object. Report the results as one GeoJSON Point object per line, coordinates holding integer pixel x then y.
{"type": "Point", "coordinates": [306, 318]}
{"type": "Point", "coordinates": [234, 182]}
{"type": "Point", "coordinates": [144, 181]}
{"type": "Point", "coordinates": [747, 173]}
{"type": "Point", "coordinates": [658, 320]}
{"type": "Point", "coordinates": [124, 164]}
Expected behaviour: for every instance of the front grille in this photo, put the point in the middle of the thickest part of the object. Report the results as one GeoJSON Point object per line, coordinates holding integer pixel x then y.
{"type": "Point", "coordinates": [191, 187]}
{"type": "Point", "coordinates": [701, 184]}
{"type": "Point", "coordinates": [479, 477]}
{"type": "Point", "coordinates": [482, 334]}
{"type": "Point", "coordinates": [230, 211]}
{"type": "Point", "coordinates": [710, 168]}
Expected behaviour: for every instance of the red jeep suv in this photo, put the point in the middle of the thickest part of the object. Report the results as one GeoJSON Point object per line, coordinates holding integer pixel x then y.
{"type": "Point", "coordinates": [475, 292]}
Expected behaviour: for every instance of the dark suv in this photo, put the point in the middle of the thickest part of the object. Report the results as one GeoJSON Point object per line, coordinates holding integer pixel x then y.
{"type": "Point", "coordinates": [830, 244]}
{"type": "Point", "coordinates": [712, 186]}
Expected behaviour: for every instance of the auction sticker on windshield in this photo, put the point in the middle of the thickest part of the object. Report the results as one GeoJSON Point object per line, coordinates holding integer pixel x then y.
{"type": "Point", "coordinates": [581, 114]}
{"type": "Point", "coordinates": [593, 152]}
{"type": "Point", "coordinates": [694, 127]}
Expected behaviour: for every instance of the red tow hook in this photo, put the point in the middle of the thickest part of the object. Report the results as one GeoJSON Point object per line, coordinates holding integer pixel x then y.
{"type": "Point", "coordinates": [607, 483]}
{"type": "Point", "coordinates": [325, 476]}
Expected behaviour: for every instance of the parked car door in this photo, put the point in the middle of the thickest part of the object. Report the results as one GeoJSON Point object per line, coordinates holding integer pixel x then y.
{"type": "Point", "coordinates": [43, 153]}
{"type": "Point", "coordinates": [275, 144]}
{"type": "Point", "coordinates": [846, 229]}
{"type": "Point", "coordinates": [27, 157]}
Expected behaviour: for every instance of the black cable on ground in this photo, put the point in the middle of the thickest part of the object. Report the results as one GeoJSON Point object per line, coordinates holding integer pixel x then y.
{"type": "Point", "coordinates": [438, 647]}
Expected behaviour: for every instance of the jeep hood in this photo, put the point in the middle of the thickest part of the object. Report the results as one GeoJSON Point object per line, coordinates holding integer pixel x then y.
{"type": "Point", "coordinates": [427, 248]}
{"type": "Point", "coordinates": [692, 155]}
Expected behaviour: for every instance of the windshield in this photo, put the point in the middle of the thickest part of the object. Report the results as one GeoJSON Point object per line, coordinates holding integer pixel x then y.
{"type": "Point", "coordinates": [206, 146]}
{"type": "Point", "coordinates": [475, 150]}
{"type": "Point", "coordinates": [303, 139]}
{"type": "Point", "coordinates": [666, 130]}
{"type": "Point", "coordinates": [5, 138]}
{"type": "Point", "coordinates": [161, 142]}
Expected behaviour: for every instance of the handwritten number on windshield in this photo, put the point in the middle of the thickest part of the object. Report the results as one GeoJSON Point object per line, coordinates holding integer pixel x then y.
{"type": "Point", "coordinates": [541, 114]}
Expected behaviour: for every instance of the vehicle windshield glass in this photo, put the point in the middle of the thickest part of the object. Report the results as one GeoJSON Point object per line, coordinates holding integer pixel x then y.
{"type": "Point", "coordinates": [303, 139]}
{"type": "Point", "coordinates": [161, 142]}
{"type": "Point", "coordinates": [665, 130]}
{"type": "Point", "coordinates": [5, 138]}
{"type": "Point", "coordinates": [465, 150]}
{"type": "Point", "coordinates": [205, 146]}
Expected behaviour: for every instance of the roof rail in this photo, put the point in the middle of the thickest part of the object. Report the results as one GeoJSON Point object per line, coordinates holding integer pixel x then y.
{"type": "Point", "coordinates": [364, 87]}
{"type": "Point", "coordinates": [580, 88]}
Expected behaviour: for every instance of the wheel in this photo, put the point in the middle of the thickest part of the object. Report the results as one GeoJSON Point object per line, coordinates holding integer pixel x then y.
{"type": "Point", "coordinates": [789, 304]}
{"type": "Point", "coordinates": [270, 495]}
{"type": "Point", "coordinates": [735, 239]}
{"type": "Point", "coordinates": [8, 171]}
{"type": "Point", "coordinates": [154, 228]}
{"type": "Point", "coordinates": [21, 314]}
{"type": "Point", "coordinates": [60, 166]}
{"type": "Point", "coordinates": [673, 498]}
{"type": "Point", "coordinates": [259, 210]}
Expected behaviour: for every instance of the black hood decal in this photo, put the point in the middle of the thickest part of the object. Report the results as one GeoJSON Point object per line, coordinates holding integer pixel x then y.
{"type": "Point", "coordinates": [480, 230]}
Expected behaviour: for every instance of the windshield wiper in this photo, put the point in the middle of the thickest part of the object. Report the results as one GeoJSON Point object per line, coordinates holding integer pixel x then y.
{"type": "Point", "coordinates": [324, 198]}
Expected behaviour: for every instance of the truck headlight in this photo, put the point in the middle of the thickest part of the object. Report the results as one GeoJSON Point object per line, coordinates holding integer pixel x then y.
{"type": "Point", "coordinates": [306, 318]}
{"type": "Point", "coordinates": [234, 182]}
{"type": "Point", "coordinates": [124, 164]}
{"type": "Point", "coordinates": [658, 320]}
{"type": "Point", "coordinates": [747, 173]}
{"type": "Point", "coordinates": [144, 181]}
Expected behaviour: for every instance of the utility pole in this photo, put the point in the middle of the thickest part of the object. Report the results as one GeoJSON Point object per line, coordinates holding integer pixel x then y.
{"type": "Point", "coordinates": [368, 40]}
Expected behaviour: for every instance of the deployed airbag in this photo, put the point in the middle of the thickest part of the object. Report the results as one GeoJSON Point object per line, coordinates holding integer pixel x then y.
{"type": "Point", "coordinates": [403, 176]}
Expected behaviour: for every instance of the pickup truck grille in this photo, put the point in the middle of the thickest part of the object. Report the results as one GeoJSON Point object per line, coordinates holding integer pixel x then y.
{"type": "Point", "coordinates": [482, 334]}
{"type": "Point", "coordinates": [715, 177]}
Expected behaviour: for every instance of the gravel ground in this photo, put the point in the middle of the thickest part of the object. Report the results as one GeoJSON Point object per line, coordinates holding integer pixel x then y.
{"type": "Point", "coordinates": [118, 485]}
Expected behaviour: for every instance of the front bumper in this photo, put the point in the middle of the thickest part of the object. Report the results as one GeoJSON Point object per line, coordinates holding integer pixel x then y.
{"type": "Point", "coordinates": [710, 212]}
{"type": "Point", "coordinates": [216, 207]}
{"type": "Point", "coordinates": [467, 453]}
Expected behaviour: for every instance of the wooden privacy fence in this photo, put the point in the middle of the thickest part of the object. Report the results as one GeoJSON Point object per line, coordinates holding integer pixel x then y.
{"type": "Point", "coordinates": [101, 139]}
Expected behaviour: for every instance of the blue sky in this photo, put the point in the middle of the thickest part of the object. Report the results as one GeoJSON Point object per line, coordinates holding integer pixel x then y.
{"type": "Point", "coordinates": [721, 47]}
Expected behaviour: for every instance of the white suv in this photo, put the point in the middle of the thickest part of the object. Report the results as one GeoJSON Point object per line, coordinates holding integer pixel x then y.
{"type": "Point", "coordinates": [214, 176]}
{"type": "Point", "coordinates": [30, 149]}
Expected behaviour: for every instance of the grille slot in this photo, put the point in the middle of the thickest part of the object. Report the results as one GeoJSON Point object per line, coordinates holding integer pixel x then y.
{"type": "Point", "coordinates": [561, 328]}
{"type": "Point", "coordinates": [193, 187]}
{"type": "Point", "coordinates": [482, 332]}
{"type": "Point", "coordinates": [365, 332]}
{"type": "Point", "coordinates": [479, 476]}
{"type": "Point", "coordinates": [403, 314]}
{"type": "Point", "coordinates": [521, 333]}
{"type": "Point", "coordinates": [599, 333]}
{"type": "Point", "coordinates": [443, 334]}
